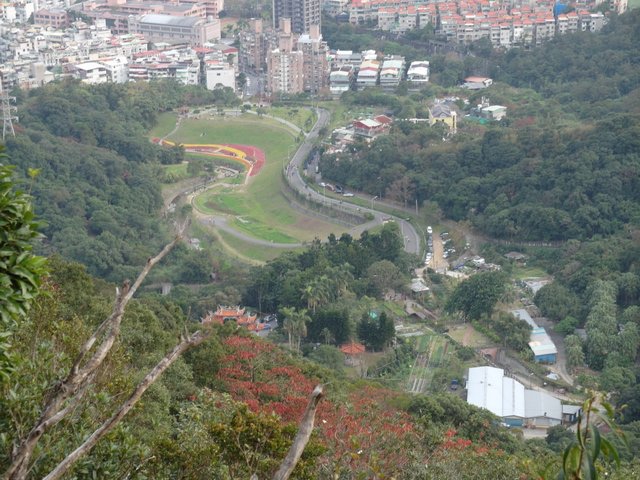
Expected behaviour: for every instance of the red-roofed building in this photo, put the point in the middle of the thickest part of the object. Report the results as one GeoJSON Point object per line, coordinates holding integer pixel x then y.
{"type": "Point", "coordinates": [236, 314]}
{"type": "Point", "coordinates": [352, 348]}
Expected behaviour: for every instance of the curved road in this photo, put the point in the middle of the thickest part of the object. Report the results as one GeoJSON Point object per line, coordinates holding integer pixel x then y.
{"type": "Point", "coordinates": [294, 179]}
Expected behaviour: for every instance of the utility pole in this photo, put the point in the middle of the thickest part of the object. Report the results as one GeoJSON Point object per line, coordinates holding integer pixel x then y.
{"type": "Point", "coordinates": [7, 113]}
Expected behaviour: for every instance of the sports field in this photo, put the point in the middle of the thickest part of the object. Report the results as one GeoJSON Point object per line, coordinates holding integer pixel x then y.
{"type": "Point", "coordinates": [266, 212]}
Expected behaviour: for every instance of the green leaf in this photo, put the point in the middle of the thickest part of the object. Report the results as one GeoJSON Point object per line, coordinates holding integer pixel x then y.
{"type": "Point", "coordinates": [595, 443]}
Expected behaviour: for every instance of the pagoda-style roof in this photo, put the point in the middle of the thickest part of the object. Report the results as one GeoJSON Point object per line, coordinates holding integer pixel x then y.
{"type": "Point", "coordinates": [237, 314]}
{"type": "Point", "coordinates": [352, 348]}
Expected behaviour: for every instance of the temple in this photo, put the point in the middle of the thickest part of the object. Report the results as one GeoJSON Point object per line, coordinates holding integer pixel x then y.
{"type": "Point", "coordinates": [237, 314]}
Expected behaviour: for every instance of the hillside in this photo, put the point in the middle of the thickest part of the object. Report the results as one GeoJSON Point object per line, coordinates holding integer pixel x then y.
{"type": "Point", "coordinates": [98, 189]}
{"type": "Point", "coordinates": [229, 408]}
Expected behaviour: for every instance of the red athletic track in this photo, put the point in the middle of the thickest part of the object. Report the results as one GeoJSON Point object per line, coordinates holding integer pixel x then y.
{"type": "Point", "coordinates": [254, 154]}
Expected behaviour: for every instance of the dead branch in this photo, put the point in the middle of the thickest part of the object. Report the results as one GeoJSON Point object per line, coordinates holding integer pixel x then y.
{"type": "Point", "coordinates": [110, 424]}
{"type": "Point", "coordinates": [302, 437]}
{"type": "Point", "coordinates": [81, 372]}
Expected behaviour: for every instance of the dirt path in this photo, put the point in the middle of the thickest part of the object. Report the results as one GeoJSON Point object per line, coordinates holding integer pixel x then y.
{"type": "Point", "coordinates": [467, 335]}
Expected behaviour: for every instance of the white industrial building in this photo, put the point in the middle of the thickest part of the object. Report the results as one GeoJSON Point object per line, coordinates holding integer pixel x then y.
{"type": "Point", "coordinates": [505, 397]}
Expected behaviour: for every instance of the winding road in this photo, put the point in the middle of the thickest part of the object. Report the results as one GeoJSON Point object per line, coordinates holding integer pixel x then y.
{"type": "Point", "coordinates": [411, 238]}
{"type": "Point", "coordinates": [410, 235]}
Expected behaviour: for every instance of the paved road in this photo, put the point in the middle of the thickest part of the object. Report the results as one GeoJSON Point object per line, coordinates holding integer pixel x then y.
{"type": "Point", "coordinates": [410, 235]}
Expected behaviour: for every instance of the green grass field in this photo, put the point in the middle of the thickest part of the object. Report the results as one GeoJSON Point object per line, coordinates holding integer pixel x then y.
{"type": "Point", "coordinates": [174, 173]}
{"type": "Point", "coordinates": [528, 272]}
{"type": "Point", "coordinates": [634, 4]}
{"type": "Point", "coordinates": [166, 123]}
{"type": "Point", "coordinates": [261, 200]}
{"type": "Point", "coordinates": [252, 227]}
{"type": "Point", "coordinates": [248, 251]}
{"type": "Point", "coordinates": [301, 117]}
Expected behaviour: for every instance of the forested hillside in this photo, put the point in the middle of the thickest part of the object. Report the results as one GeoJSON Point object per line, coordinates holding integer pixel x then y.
{"type": "Point", "coordinates": [591, 75]}
{"type": "Point", "coordinates": [212, 414]}
{"type": "Point", "coordinates": [529, 183]}
{"type": "Point", "coordinates": [97, 188]}
{"type": "Point", "coordinates": [564, 164]}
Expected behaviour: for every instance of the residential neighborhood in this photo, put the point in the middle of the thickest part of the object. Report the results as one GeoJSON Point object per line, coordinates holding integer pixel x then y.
{"type": "Point", "coordinates": [119, 41]}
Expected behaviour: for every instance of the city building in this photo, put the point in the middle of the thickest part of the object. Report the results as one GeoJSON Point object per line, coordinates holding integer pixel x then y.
{"type": "Point", "coordinates": [55, 18]}
{"type": "Point", "coordinates": [371, 127]}
{"type": "Point", "coordinates": [253, 47]}
{"type": "Point", "coordinates": [418, 73]}
{"type": "Point", "coordinates": [341, 79]}
{"type": "Point", "coordinates": [219, 75]}
{"type": "Point", "coordinates": [303, 14]}
{"type": "Point", "coordinates": [493, 112]}
{"type": "Point", "coordinates": [193, 31]}
{"type": "Point", "coordinates": [391, 72]}
{"type": "Point", "coordinates": [285, 71]}
{"type": "Point", "coordinates": [285, 67]}
{"type": "Point", "coordinates": [368, 73]}
{"type": "Point", "coordinates": [443, 113]}
{"type": "Point", "coordinates": [315, 64]}
{"type": "Point", "coordinates": [477, 83]}
{"type": "Point", "coordinates": [91, 72]}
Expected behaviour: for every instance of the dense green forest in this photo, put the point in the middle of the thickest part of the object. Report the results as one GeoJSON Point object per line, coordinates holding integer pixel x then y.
{"type": "Point", "coordinates": [97, 190]}
{"type": "Point", "coordinates": [565, 164]}
{"type": "Point", "coordinates": [330, 282]}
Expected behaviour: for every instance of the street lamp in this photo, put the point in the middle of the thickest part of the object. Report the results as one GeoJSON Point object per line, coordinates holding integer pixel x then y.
{"type": "Point", "coordinates": [374, 198]}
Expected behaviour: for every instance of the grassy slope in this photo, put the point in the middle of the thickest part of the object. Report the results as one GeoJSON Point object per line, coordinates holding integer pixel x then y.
{"type": "Point", "coordinates": [260, 201]}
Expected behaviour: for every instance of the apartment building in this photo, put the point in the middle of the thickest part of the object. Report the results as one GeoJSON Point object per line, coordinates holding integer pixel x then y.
{"type": "Point", "coordinates": [285, 72]}
{"type": "Point", "coordinates": [368, 74]}
{"type": "Point", "coordinates": [315, 60]}
{"type": "Point", "coordinates": [219, 75]}
{"type": "Point", "coordinates": [285, 67]}
{"type": "Point", "coordinates": [418, 73]}
{"type": "Point", "coordinates": [391, 72]}
{"type": "Point", "coordinates": [303, 13]}
{"type": "Point", "coordinates": [254, 43]}
{"type": "Point", "coordinates": [341, 79]}
{"type": "Point", "coordinates": [55, 18]}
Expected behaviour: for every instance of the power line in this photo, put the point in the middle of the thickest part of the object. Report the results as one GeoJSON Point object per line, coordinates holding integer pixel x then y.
{"type": "Point", "coordinates": [7, 113]}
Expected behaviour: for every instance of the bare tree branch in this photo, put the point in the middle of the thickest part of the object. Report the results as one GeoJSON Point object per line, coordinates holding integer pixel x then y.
{"type": "Point", "coordinates": [81, 372]}
{"type": "Point", "coordinates": [186, 343]}
{"type": "Point", "coordinates": [302, 437]}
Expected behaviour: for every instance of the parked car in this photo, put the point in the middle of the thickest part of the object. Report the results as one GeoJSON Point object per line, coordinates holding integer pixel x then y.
{"type": "Point", "coordinates": [429, 229]}
{"type": "Point", "coordinates": [347, 194]}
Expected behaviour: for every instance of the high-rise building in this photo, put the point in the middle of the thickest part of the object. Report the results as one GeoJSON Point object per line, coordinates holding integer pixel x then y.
{"type": "Point", "coordinates": [315, 63]}
{"type": "Point", "coordinates": [285, 73]}
{"type": "Point", "coordinates": [303, 14]}
{"type": "Point", "coordinates": [284, 65]}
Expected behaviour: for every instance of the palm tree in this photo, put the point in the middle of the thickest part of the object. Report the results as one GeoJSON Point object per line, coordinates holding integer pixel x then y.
{"type": "Point", "coordinates": [295, 324]}
{"type": "Point", "coordinates": [327, 336]}
{"type": "Point", "coordinates": [341, 277]}
{"type": "Point", "coordinates": [316, 293]}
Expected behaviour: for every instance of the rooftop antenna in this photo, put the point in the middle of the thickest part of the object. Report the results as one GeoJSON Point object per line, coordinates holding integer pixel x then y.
{"type": "Point", "coordinates": [7, 113]}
